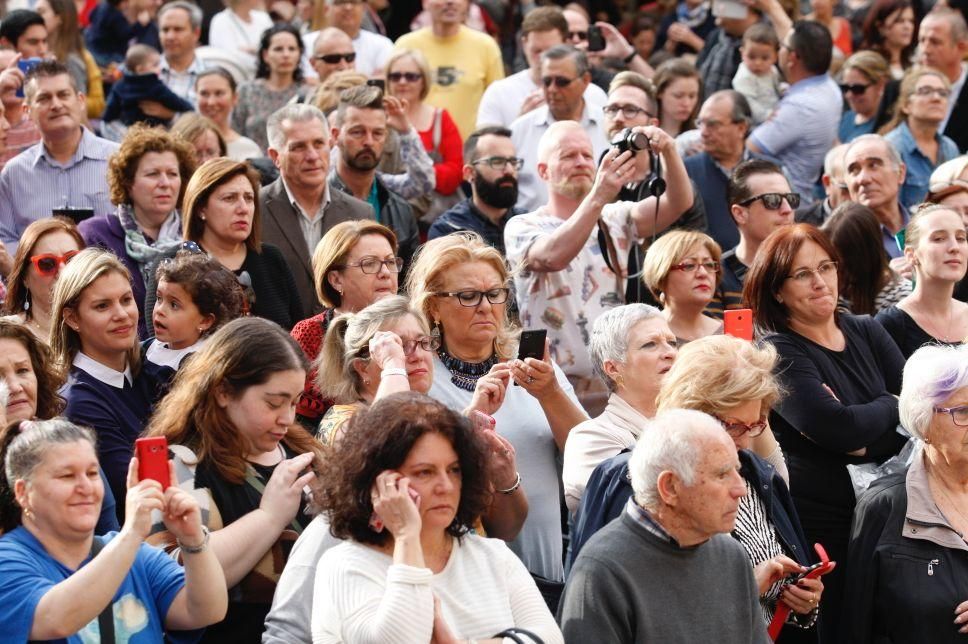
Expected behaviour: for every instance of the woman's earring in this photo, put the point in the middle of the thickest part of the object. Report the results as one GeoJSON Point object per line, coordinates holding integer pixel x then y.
{"type": "Point", "coordinates": [27, 301]}
{"type": "Point", "coordinates": [435, 332]}
{"type": "Point", "coordinates": [779, 298]}
{"type": "Point", "coordinates": [28, 514]}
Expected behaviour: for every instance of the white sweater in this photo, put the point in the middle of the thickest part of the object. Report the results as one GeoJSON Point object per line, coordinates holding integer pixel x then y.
{"type": "Point", "coordinates": [361, 596]}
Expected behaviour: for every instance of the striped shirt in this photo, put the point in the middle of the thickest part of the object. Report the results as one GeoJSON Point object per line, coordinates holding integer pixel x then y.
{"type": "Point", "coordinates": [33, 183]}
{"type": "Point", "coordinates": [182, 83]}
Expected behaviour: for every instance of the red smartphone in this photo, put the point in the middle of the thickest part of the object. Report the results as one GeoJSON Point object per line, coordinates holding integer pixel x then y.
{"type": "Point", "coordinates": [152, 456]}
{"type": "Point", "coordinates": [738, 323]}
{"type": "Point", "coordinates": [376, 524]}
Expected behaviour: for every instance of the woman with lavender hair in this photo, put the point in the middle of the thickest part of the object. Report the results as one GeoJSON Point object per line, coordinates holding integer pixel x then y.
{"type": "Point", "coordinates": [908, 559]}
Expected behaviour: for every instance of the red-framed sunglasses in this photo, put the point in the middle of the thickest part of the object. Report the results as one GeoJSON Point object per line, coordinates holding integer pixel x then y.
{"type": "Point", "coordinates": [49, 263]}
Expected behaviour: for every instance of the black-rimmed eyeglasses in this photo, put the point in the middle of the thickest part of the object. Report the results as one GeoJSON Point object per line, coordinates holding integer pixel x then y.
{"type": "Point", "coordinates": [559, 81]}
{"type": "Point", "coordinates": [628, 111]}
{"type": "Point", "coordinates": [473, 298]}
{"type": "Point", "coordinates": [371, 265]}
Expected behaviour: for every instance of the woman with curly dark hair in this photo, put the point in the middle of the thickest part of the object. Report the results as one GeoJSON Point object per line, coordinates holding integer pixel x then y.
{"type": "Point", "coordinates": [403, 488]}
{"type": "Point", "coordinates": [146, 177]}
{"type": "Point", "coordinates": [278, 80]}
{"type": "Point", "coordinates": [889, 30]}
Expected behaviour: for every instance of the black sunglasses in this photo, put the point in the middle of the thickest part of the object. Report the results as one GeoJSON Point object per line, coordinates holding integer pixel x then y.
{"type": "Point", "coordinates": [854, 88]}
{"type": "Point", "coordinates": [410, 77]}
{"type": "Point", "coordinates": [333, 59]}
{"type": "Point", "coordinates": [559, 81]}
{"type": "Point", "coordinates": [773, 200]}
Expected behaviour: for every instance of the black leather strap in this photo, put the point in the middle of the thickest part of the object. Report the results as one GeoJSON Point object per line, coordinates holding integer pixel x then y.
{"type": "Point", "coordinates": [105, 621]}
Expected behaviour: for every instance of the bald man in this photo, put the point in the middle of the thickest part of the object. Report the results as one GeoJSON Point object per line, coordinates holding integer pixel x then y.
{"type": "Point", "coordinates": [332, 52]}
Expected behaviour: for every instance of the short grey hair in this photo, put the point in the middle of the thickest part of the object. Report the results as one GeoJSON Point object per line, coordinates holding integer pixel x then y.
{"type": "Point", "coordinates": [674, 441]}
{"type": "Point", "coordinates": [35, 439]}
{"type": "Point", "coordinates": [193, 10]}
{"type": "Point", "coordinates": [892, 152]}
{"type": "Point", "coordinates": [294, 113]}
{"type": "Point", "coordinates": [561, 52]}
{"type": "Point", "coordinates": [931, 375]}
{"type": "Point", "coordinates": [835, 159]}
{"type": "Point", "coordinates": [610, 335]}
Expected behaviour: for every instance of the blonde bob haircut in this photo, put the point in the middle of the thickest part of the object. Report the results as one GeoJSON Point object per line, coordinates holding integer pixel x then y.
{"type": "Point", "coordinates": [717, 373]}
{"type": "Point", "coordinates": [435, 259]}
{"type": "Point", "coordinates": [87, 267]}
{"type": "Point", "coordinates": [348, 339]}
{"type": "Point", "coordinates": [208, 178]}
{"type": "Point", "coordinates": [419, 59]}
{"type": "Point", "coordinates": [669, 250]}
{"type": "Point", "coordinates": [333, 249]}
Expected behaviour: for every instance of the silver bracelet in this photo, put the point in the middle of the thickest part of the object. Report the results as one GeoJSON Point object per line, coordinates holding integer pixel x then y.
{"type": "Point", "coordinates": [517, 484]}
{"type": "Point", "coordinates": [194, 550]}
{"type": "Point", "coordinates": [393, 371]}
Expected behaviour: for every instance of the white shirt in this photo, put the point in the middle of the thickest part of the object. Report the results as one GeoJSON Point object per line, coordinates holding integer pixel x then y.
{"type": "Point", "coordinates": [502, 100]}
{"type": "Point", "coordinates": [312, 227]}
{"type": "Point", "coordinates": [525, 134]}
{"type": "Point", "coordinates": [161, 354]}
{"type": "Point", "coordinates": [242, 149]}
{"type": "Point", "coordinates": [567, 302]}
{"type": "Point", "coordinates": [104, 373]}
{"type": "Point", "coordinates": [372, 52]}
{"type": "Point", "coordinates": [231, 34]}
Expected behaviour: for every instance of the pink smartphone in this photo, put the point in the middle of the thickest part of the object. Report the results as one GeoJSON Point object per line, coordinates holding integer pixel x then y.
{"type": "Point", "coordinates": [376, 524]}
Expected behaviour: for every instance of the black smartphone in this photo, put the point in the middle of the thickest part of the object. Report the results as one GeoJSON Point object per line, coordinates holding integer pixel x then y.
{"type": "Point", "coordinates": [377, 82]}
{"type": "Point", "coordinates": [596, 39]}
{"type": "Point", "coordinates": [77, 215]}
{"type": "Point", "coordinates": [532, 344]}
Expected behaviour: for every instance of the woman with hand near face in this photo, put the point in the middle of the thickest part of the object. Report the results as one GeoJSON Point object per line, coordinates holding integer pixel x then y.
{"type": "Point", "coordinates": [403, 489]}
{"type": "Point", "coordinates": [217, 97]}
{"type": "Point", "coordinates": [95, 321]}
{"type": "Point", "coordinates": [682, 270]}
{"type": "Point", "coordinates": [146, 177]}
{"type": "Point", "coordinates": [45, 247]}
{"type": "Point", "coordinates": [230, 424]}
{"type": "Point", "coordinates": [354, 265]}
{"type": "Point", "coordinates": [936, 244]}
{"type": "Point", "coordinates": [843, 373]}
{"type": "Point", "coordinates": [57, 578]}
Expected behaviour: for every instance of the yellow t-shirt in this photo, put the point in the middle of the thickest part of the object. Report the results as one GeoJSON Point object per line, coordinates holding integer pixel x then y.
{"type": "Point", "coordinates": [462, 66]}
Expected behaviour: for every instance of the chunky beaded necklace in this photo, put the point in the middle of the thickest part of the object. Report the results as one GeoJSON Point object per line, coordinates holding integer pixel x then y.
{"type": "Point", "coordinates": [465, 374]}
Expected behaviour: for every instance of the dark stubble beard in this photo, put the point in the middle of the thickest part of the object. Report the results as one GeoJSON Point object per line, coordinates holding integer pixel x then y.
{"type": "Point", "coordinates": [502, 193]}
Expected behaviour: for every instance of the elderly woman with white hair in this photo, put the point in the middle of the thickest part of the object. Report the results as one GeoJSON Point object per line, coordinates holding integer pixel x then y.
{"type": "Point", "coordinates": [631, 347]}
{"type": "Point", "coordinates": [908, 560]}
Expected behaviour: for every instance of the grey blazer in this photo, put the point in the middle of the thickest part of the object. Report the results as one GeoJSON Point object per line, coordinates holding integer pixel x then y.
{"type": "Point", "coordinates": [280, 227]}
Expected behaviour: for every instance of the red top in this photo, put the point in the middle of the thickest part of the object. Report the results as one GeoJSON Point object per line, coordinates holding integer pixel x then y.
{"type": "Point", "coordinates": [449, 170]}
{"type": "Point", "coordinates": [309, 334]}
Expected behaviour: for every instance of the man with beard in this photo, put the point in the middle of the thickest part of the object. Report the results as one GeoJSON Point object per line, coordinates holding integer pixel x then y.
{"type": "Point", "coordinates": [562, 280]}
{"type": "Point", "coordinates": [360, 132]}
{"type": "Point", "coordinates": [491, 168]}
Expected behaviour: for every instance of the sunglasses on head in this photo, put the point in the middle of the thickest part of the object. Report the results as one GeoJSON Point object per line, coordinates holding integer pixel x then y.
{"type": "Point", "coordinates": [410, 77]}
{"type": "Point", "coordinates": [773, 200]}
{"type": "Point", "coordinates": [333, 59]}
{"type": "Point", "coordinates": [853, 88]}
{"type": "Point", "coordinates": [49, 263]}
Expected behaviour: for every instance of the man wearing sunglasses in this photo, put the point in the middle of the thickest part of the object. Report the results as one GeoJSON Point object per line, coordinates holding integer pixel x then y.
{"type": "Point", "coordinates": [760, 201]}
{"type": "Point", "coordinates": [332, 52]}
{"type": "Point", "coordinates": [372, 50]}
{"type": "Point", "coordinates": [564, 77]}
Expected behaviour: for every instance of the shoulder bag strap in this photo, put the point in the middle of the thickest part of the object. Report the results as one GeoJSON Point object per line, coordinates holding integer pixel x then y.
{"type": "Point", "coordinates": [254, 481]}
{"type": "Point", "coordinates": [105, 620]}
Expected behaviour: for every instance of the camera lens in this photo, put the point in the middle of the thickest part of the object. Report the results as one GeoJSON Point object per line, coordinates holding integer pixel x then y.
{"type": "Point", "coordinates": [637, 140]}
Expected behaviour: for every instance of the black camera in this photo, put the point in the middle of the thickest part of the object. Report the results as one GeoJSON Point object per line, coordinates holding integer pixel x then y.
{"type": "Point", "coordinates": [629, 139]}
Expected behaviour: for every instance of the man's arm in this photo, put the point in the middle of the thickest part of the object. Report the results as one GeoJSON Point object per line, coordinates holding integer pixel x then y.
{"type": "Point", "coordinates": [678, 196]}
{"type": "Point", "coordinates": [555, 251]}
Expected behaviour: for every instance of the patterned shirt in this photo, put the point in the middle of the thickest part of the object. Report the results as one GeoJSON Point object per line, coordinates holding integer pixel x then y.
{"type": "Point", "coordinates": [182, 83]}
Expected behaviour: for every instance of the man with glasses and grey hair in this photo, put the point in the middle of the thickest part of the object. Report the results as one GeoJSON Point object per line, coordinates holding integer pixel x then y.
{"type": "Point", "coordinates": [298, 207]}
{"type": "Point", "coordinates": [564, 78]}
{"type": "Point", "coordinates": [180, 27]}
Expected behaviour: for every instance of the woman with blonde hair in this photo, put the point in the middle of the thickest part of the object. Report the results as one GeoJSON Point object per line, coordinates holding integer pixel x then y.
{"type": "Point", "coordinates": [863, 78]}
{"type": "Point", "coordinates": [221, 215]}
{"type": "Point", "coordinates": [230, 424]}
{"type": "Point", "coordinates": [461, 285]}
{"type": "Point", "coordinates": [915, 130]}
{"type": "Point", "coordinates": [683, 272]}
{"type": "Point", "coordinates": [354, 265]}
{"type": "Point", "coordinates": [94, 337]}
{"type": "Point", "coordinates": [936, 244]}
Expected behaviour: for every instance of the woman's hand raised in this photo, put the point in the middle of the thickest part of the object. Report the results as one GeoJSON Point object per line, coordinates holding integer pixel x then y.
{"type": "Point", "coordinates": [181, 515]}
{"type": "Point", "coordinates": [490, 390]}
{"type": "Point", "coordinates": [395, 506]}
{"type": "Point", "coordinates": [142, 497]}
{"type": "Point", "coordinates": [283, 492]}
{"type": "Point", "coordinates": [386, 350]}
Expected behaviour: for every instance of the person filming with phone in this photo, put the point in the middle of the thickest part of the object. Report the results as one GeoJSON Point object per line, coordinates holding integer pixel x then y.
{"type": "Point", "coordinates": [60, 582]}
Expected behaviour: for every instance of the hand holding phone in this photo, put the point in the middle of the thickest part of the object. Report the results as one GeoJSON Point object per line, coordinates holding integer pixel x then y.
{"type": "Point", "coordinates": [532, 345]}
{"type": "Point", "coordinates": [596, 39]}
{"type": "Point", "coordinates": [152, 456]}
{"type": "Point", "coordinates": [25, 65]}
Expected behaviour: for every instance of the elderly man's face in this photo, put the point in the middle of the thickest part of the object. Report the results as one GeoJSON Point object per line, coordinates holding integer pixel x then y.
{"type": "Point", "coordinates": [708, 506]}
{"type": "Point", "coordinates": [563, 87]}
{"type": "Point", "coordinates": [936, 47]}
{"type": "Point", "coordinates": [722, 138]}
{"type": "Point", "coordinates": [303, 159]}
{"type": "Point", "coordinates": [872, 178]}
{"type": "Point", "coordinates": [570, 170]}
{"type": "Point", "coordinates": [333, 53]}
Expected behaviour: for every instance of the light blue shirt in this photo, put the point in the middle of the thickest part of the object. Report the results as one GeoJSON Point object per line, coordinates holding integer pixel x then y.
{"type": "Point", "coordinates": [33, 183]}
{"type": "Point", "coordinates": [801, 130]}
{"type": "Point", "coordinates": [919, 167]}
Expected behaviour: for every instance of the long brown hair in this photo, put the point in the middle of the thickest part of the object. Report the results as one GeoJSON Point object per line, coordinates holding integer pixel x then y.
{"type": "Point", "coordinates": [853, 228]}
{"type": "Point", "coordinates": [206, 180]}
{"type": "Point", "coordinates": [243, 353]}
{"type": "Point", "coordinates": [16, 288]}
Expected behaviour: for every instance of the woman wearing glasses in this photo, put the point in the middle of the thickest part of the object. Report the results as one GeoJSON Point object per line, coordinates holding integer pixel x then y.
{"type": "Point", "coordinates": [45, 247]}
{"type": "Point", "coordinates": [222, 217]}
{"type": "Point", "coordinates": [461, 285]}
{"type": "Point", "coordinates": [907, 565]}
{"type": "Point", "coordinates": [915, 130]}
{"type": "Point", "coordinates": [354, 265]}
{"type": "Point", "coordinates": [935, 244]}
{"type": "Point", "coordinates": [217, 97]}
{"type": "Point", "coordinates": [682, 270]}
{"type": "Point", "coordinates": [862, 80]}
{"type": "Point", "coordinates": [409, 79]}
{"type": "Point", "coordinates": [843, 373]}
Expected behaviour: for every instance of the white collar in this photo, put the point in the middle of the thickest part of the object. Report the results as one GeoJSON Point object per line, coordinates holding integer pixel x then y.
{"type": "Point", "coordinates": [101, 372]}
{"type": "Point", "coordinates": [295, 204]}
{"type": "Point", "coordinates": [161, 354]}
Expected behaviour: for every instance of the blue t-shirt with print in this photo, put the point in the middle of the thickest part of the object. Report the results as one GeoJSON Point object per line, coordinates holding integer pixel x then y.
{"type": "Point", "coordinates": [27, 572]}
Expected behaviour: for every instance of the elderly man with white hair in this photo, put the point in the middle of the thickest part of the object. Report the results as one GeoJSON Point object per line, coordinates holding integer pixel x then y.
{"type": "Point", "coordinates": [908, 562]}
{"type": "Point", "coordinates": [564, 279]}
{"type": "Point", "coordinates": [667, 570]}
{"type": "Point", "coordinates": [874, 176]}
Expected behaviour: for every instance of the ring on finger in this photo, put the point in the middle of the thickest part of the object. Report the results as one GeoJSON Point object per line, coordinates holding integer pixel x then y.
{"type": "Point", "coordinates": [530, 379]}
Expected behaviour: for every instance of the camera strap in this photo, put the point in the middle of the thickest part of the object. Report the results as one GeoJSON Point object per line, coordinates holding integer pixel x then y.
{"type": "Point", "coordinates": [607, 247]}
{"type": "Point", "coordinates": [105, 619]}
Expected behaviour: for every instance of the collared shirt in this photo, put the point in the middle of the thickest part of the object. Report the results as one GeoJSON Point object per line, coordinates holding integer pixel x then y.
{"type": "Point", "coordinates": [890, 241]}
{"type": "Point", "coordinates": [312, 227]}
{"type": "Point", "coordinates": [917, 177]}
{"type": "Point", "coordinates": [955, 94]}
{"type": "Point", "coordinates": [801, 130]}
{"type": "Point", "coordinates": [525, 134]}
{"type": "Point", "coordinates": [160, 353]}
{"type": "Point", "coordinates": [19, 137]}
{"type": "Point", "coordinates": [33, 184]}
{"type": "Point", "coordinates": [182, 83]}
{"type": "Point", "coordinates": [105, 374]}
{"type": "Point", "coordinates": [502, 100]}
{"type": "Point", "coordinates": [924, 519]}
{"type": "Point", "coordinates": [642, 517]}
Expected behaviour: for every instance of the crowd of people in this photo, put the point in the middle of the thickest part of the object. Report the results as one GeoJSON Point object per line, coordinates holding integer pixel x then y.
{"type": "Point", "coordinates": [469, 321]}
